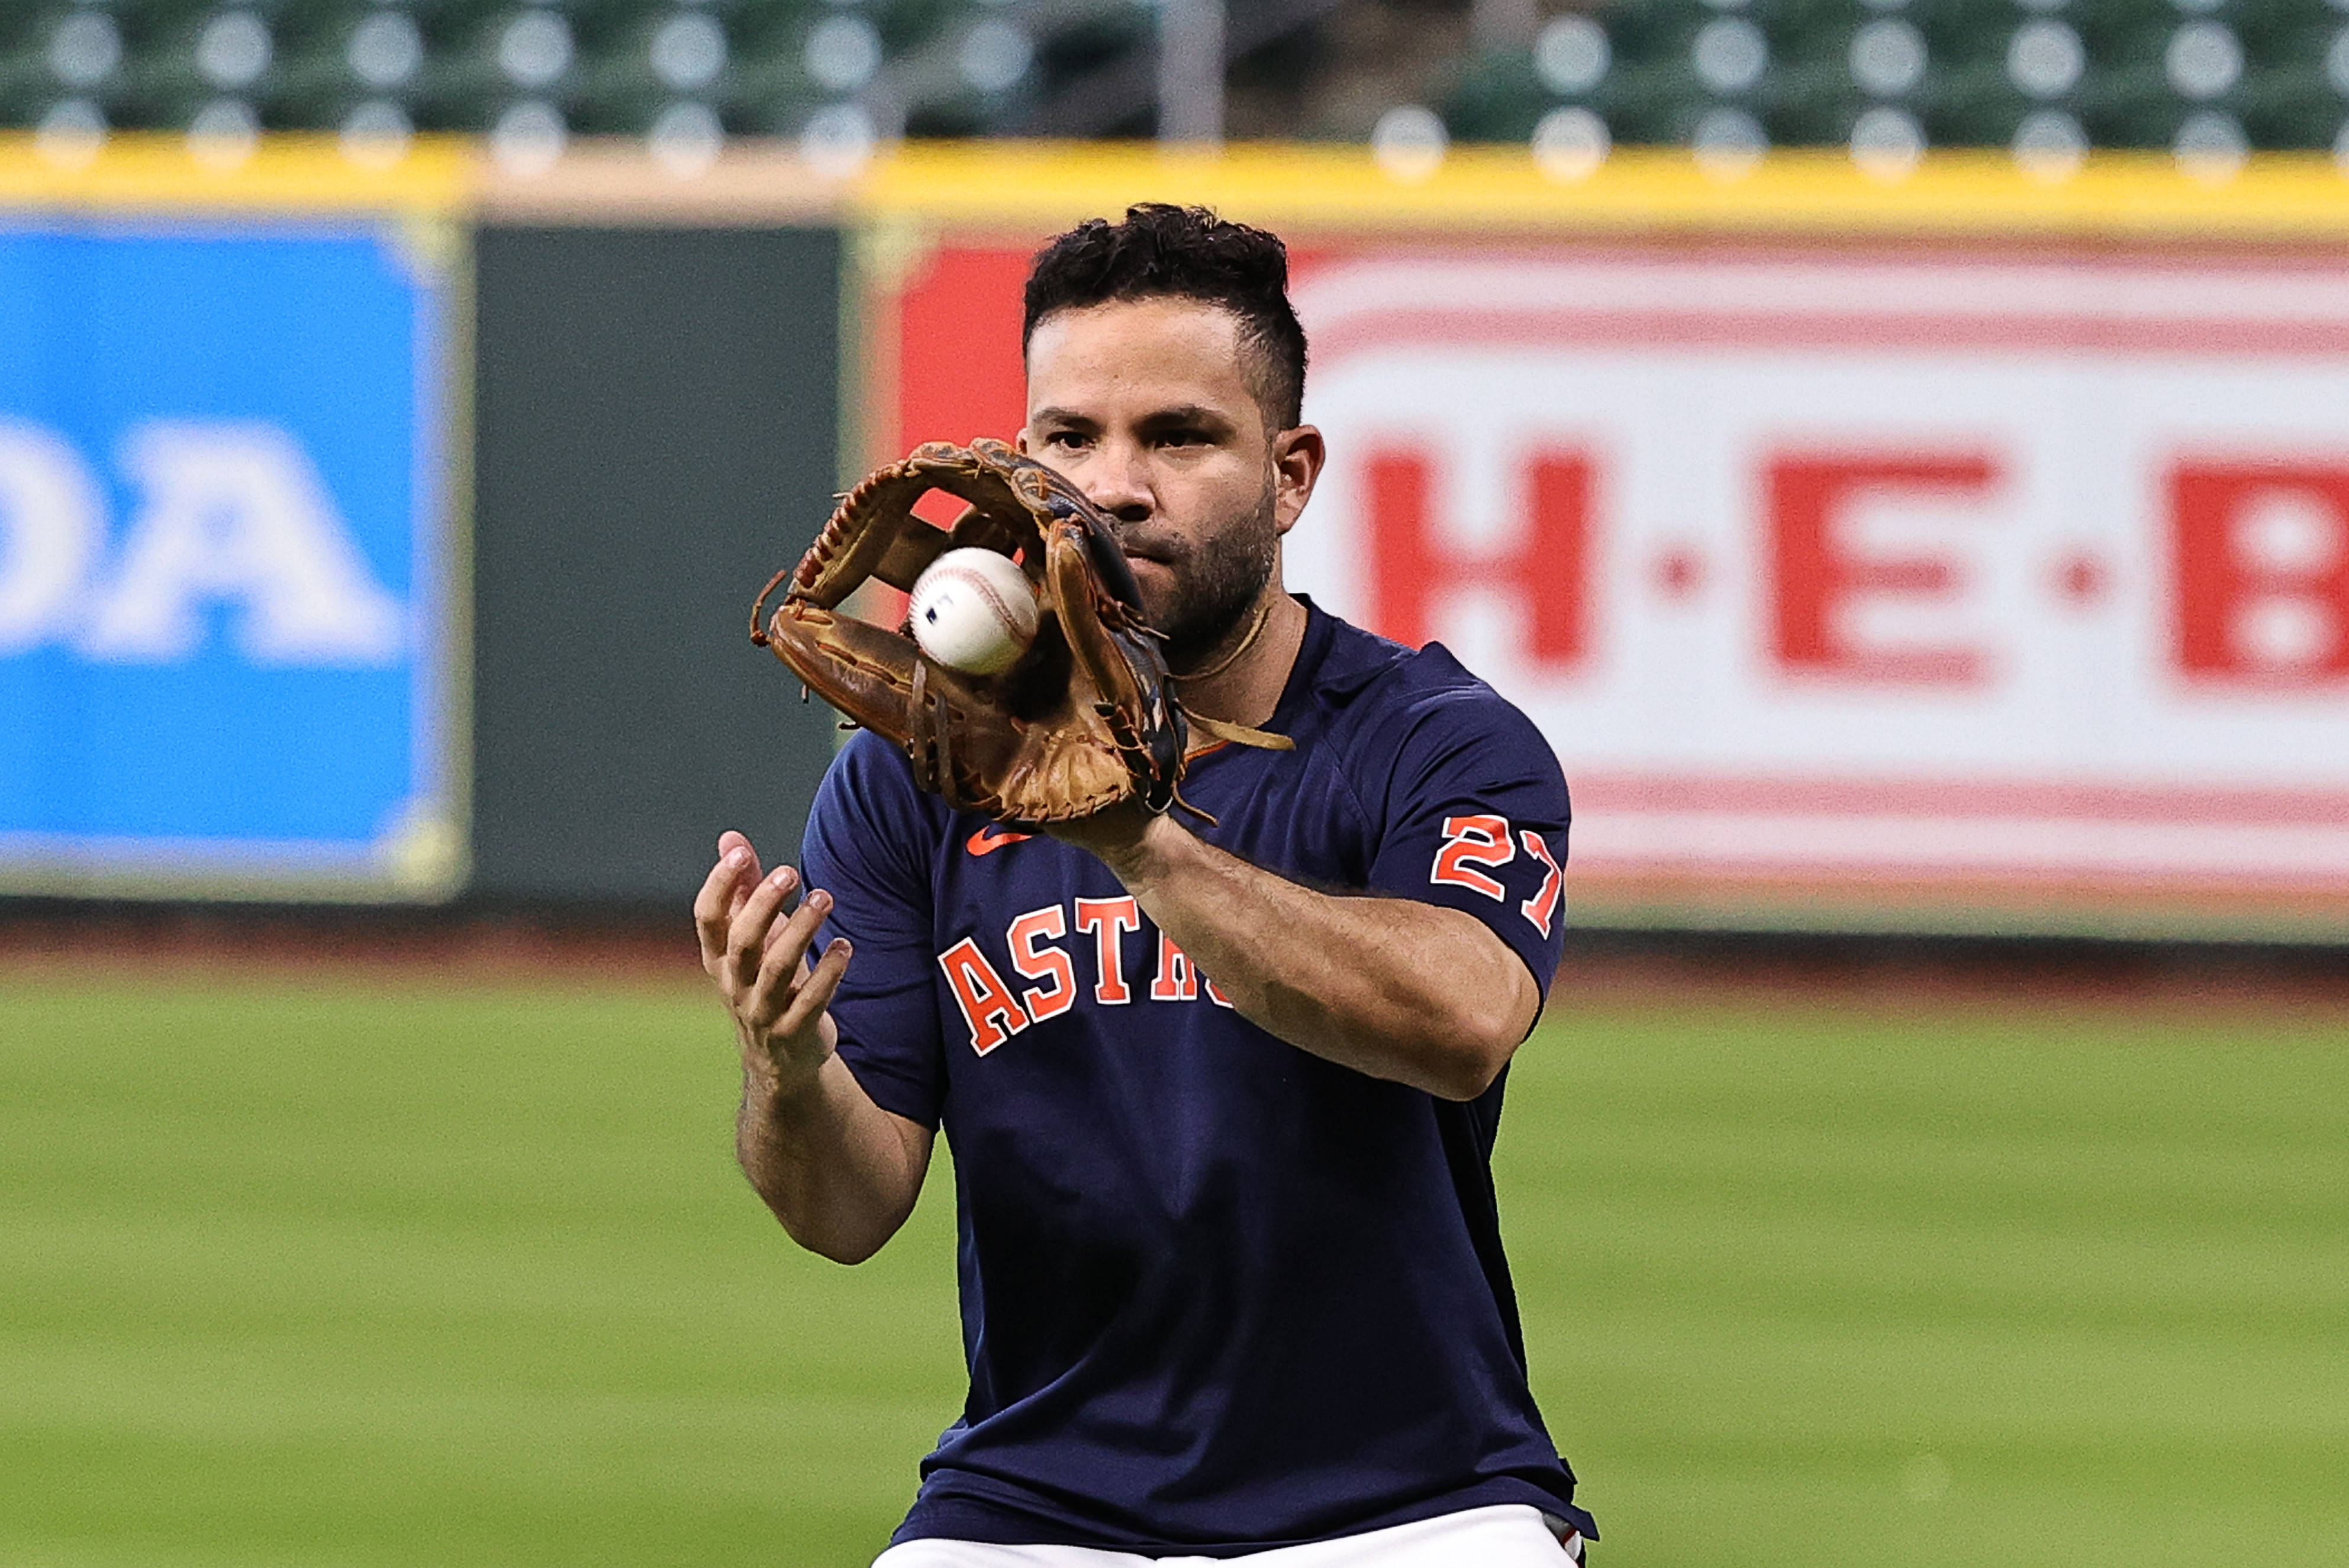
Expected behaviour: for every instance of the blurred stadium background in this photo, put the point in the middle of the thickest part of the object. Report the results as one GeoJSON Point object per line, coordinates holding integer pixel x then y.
{"type": "Point", "coordinates": [1898, 451]}
{"type": "Point", "coordinates": [2211, 79]}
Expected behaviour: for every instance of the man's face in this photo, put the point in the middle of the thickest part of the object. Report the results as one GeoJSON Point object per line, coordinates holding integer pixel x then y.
{"type": "Point", "coordinates": [1146, 406]}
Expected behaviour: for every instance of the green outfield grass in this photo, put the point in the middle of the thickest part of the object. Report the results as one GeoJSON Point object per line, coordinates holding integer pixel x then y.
{"type": "Point", "coordinates": [373, 1272]}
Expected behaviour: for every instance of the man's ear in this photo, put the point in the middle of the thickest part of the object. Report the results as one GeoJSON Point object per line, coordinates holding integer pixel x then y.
{"type": "Point", "coordinates": [1298, 458]}
{"type": "Point", "coordinates": [1019, 443]}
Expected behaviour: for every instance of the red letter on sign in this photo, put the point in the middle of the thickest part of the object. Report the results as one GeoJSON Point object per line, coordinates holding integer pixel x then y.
{"type": "Point", "coordinates": [1547, 573]}
{"type": "Point", "coordinates": [986, 1003]}
{"type": "Point", "coordinates": [2262, 571]}
{"type": "Point", "coordinates": [1819, 577]}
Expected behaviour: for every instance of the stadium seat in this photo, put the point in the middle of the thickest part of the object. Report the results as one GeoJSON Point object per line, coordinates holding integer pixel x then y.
{"type": "Point", "coordinates": [968, 66]}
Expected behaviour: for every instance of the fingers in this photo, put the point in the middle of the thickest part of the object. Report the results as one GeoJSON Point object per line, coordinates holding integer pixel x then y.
{"type": "Point", "coordinates": [758, 956]}
{"type": "Point", "coordinates": [813, 995]}
{"type": "Point", "coordinates": [779, 969]}
{"type": "Point", "coordinates": [728, 841]}
{"type": "Point", "coordinates": [748, 935]}
{"type": "Point", "coordinates": [721, 898]}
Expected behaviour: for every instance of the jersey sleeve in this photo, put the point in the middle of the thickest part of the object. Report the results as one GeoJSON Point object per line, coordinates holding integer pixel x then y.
{"type": "Point", "coordinates": [1475, 818]}
{"type": "Point", "coordinates": [866, 838]}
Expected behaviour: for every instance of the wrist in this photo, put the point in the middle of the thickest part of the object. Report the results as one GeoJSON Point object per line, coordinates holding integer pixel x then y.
{"type": "Point", "coordinates": [1140, 858]}
{"type": "Point", "coordinates": [775, 1086]}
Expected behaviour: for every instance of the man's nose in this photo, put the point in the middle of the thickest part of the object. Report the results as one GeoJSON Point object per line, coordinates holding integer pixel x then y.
{"type": "Point", "coordinates": [1115, 482]}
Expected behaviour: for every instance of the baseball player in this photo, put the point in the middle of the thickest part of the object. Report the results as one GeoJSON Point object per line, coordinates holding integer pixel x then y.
{"type": "Point", "coordinates": [1222, 1085]}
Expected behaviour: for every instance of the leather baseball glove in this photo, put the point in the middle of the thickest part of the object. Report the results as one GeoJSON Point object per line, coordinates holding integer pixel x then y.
{"type": "Point", "coordinates": [1086, 719]}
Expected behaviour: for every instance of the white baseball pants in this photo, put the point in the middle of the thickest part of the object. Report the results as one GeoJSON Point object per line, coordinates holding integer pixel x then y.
{"type": "Point", "coordinates": [1508, 1535]}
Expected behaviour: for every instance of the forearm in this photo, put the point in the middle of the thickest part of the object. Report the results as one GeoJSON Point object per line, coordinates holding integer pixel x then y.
{"type": "Point", "coordinates": [839, 1173]}
{"type": "Point", "coordinates": [1412, 992]}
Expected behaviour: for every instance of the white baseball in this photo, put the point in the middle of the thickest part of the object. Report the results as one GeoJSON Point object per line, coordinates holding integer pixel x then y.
{"type": "Point", "coordinates": [973, 610]}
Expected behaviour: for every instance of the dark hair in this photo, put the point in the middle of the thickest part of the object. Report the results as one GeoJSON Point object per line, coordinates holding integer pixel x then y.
{"type": "Point", "coordinates": [1163, 252]}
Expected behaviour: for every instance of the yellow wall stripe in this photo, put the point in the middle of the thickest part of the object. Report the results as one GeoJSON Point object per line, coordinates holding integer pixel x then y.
{"type": "Point", "coordinates": [297, 172]}
{"type": "Point", "coordinates": [2277, 197]}
{"type": "Point", "coordinates": [2282, 196]}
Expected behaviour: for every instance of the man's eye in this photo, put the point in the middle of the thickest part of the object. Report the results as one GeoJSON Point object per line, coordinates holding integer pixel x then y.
{"type": "Point", "coordinates": [1183, 438]}
{"type": "Point", "coordinates": [1067, 440]}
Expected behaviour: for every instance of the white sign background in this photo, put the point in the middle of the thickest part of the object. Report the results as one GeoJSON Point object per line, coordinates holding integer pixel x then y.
{"type": "Point", "coordinates": [2083, 755]}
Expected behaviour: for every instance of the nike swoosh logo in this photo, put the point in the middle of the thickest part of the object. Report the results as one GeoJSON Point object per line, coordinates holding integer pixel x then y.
{"type": "Point", "coordinates": [981, 844]}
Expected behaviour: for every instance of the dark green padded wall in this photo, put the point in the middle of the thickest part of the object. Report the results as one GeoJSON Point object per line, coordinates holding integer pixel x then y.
{"type": "Point", "coordinates": [656, 426]}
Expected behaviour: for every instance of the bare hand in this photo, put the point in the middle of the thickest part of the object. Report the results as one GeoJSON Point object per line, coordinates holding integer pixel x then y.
{"type": "Point", "coordinates": [759, 964]}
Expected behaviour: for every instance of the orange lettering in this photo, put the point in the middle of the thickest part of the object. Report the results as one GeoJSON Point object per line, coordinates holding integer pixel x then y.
{"type": "Point", "coordinates": [1542, 908]}
{"type": "Point", "coordinates": [1176, 981]}
{"type": "Point", "coordinates": [1039, 963]}
{"type": "Point", "coordinates": [1479, 841]}
{"type": "Point", "coordinates": [986, 1003]}
{"type": "Point", "coordinates": [1108, 919]}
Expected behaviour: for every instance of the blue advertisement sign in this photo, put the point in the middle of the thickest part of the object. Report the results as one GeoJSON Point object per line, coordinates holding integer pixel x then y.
{"type": "Point", "coordinates": [227, 646]}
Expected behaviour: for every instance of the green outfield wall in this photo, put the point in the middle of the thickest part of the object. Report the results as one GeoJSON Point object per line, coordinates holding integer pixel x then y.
{"type": "Point", "coordinates": [656, 432]}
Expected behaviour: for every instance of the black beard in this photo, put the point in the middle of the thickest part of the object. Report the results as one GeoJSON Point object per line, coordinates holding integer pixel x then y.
{"type": "Point", "coordinates": [1217, 586]}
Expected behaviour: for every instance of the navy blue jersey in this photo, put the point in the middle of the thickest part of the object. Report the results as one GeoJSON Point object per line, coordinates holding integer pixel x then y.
{"type": "Point", "coordinates": [1219, 1295]}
